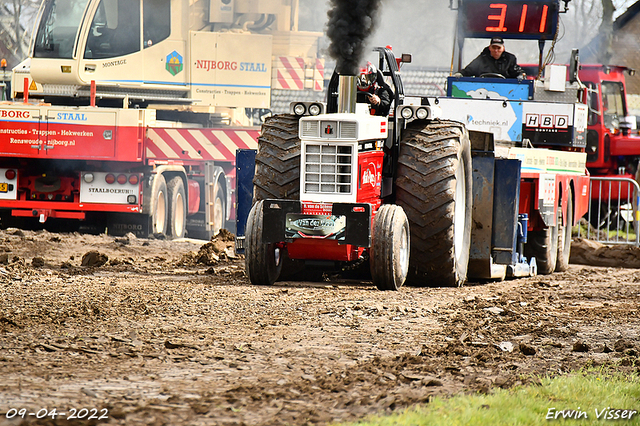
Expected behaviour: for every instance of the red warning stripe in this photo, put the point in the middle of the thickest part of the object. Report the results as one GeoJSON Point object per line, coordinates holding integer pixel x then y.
{"type": "Point", "coordinates": [198, 144]}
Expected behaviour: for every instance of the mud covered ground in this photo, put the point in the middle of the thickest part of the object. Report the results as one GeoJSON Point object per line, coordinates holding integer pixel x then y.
{"type": "Point", "coordinates": [172, 333]}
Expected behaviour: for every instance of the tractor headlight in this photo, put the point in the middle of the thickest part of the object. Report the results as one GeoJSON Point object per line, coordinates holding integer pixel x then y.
{"type": "Point", "coordinates": [299, 109]}
{"type": "Point", "coordinates": [422, 113]}
{"type": "Point", "coordinates": [88, 177]}
{"type": "Point", "coordinates": [406, 113]}
{"type": "Point", "coordinates": [314, 109]}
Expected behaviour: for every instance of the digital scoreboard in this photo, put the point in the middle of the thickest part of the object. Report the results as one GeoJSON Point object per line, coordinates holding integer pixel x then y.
{"type": "Point", "coordinates": [519, 19]}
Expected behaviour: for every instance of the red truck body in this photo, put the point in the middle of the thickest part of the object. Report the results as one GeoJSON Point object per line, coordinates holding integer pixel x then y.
{"type": "Point", "coordinates": [45, 152]}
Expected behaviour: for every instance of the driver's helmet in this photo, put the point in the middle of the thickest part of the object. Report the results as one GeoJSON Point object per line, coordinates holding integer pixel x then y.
{"type": "Point", "coordinates": [368, 76]}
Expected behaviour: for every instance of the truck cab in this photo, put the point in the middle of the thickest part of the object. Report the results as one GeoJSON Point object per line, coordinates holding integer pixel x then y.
{"type": "Point", "coordinates": [611, 146]}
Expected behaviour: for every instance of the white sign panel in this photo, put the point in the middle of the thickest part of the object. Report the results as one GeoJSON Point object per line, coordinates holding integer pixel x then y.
{"type": "Point", "coordinates": [547, 189]}
{"type": "Point", "coordinates": [230, 69]}
{"type": "Point", "coordinates": [492, 116]}
{"type": "Point", "coordinates": [99, 191]}
{"type": "Point", "coordinates": [547, 115]}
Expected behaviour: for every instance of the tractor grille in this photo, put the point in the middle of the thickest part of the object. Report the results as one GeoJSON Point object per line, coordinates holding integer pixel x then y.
{"type": "Point", "coordinates": [349, 130]}
{"type": "Point", "coordinates": [310, 129]}
{"type": "Point", "coordinates": [328, 169]}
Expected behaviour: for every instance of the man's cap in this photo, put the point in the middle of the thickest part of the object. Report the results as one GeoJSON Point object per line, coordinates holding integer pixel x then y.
{"type": "Point", "coordinates": [497, 40]}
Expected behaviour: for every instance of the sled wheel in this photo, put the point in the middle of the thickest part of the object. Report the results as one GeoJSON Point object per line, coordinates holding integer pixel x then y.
{"type": "Point", "coordinates": [277, 174]}
{"type": "Point", "coordinates": [390, 248]}
{"type": "Point", "coordinates": [177, 207]}
{"type": "Point", "coordinates": [263, 261]}
{"type": "Point", "coordinates": [219, 211]}
{"type": "Point", "coordinates": [543, 245]}
{"type": "Point", "coordinates": [564, 237]}
{"type": "Point", "coordinates": [434, 189]}
{"type": "Point", "coordinates": [159, 209]}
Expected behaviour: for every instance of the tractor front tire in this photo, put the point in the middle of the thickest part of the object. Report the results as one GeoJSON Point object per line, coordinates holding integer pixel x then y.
{"type": "Point", "coordinates": [434, 189]}
{"type": "Point", "coordinates": [263, 261]}
{"type": "Point", "coordinates": [277, 174]}
{"type": "Point", "coordinates": [389, 260]}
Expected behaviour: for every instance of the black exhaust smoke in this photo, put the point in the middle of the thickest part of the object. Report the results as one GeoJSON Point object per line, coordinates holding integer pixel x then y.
{"type": "Point", "coordinates": [351, 22]}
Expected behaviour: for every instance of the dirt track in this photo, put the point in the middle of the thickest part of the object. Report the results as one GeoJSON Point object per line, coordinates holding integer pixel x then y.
{"type": "Point", "coordinates": [160, 334]}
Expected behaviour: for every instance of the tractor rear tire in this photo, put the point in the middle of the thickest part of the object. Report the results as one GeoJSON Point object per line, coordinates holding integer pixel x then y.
{"type": "Point", "coordinates": [564, 237]}
{"type": "Point", "coordinates": [177, 208]}
{"type": "Point", "coordinates": [543, 245]}
{"type": "Point", "coordinates": [277, 174]}
{"type": "Point", "coordinates": [434, 189]}
{"type": "Point", "coordinates": [263, 261]}
{"type": "Point", "coordinates": [390, 248]}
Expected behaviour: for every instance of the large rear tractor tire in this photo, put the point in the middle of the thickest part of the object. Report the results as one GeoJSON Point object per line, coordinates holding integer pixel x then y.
{"type": "Point", "coordinates": [434, 189]}
{"type": "Point", "coordinates": [543, 245]}
{"type": "Point", "coordinates": [390, 248]}
{"type": "Point", "coordinates": [177, 208]}
{"type": "Point", "coordinates": [159, 206]}
{"type": "Point", "coordinates": [263, 261]}
{"type": "Point", "coordinates": [564, 237]}
{"type": "Point", "coordinates": [277, 174]}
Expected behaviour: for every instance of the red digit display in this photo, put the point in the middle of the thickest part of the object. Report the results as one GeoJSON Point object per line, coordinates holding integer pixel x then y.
{"type": "Point", "coordinates": [509, 18]}
{"type": "Point", "coordinates": [500, 18]}
{"type": "Point", "coordinates": [523, 18]}
{"type": "Point", "coordinates": [543, 19]}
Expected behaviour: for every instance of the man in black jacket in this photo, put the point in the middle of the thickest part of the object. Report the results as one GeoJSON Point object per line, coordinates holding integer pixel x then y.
{"type": "Point", "coordinates": [494, 60]}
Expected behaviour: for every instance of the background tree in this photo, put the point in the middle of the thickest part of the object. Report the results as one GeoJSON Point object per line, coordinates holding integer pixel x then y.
{"type": "Point", "coordinates": [589, 26]}
{"type": "Point", "coordinates": [16, 21]}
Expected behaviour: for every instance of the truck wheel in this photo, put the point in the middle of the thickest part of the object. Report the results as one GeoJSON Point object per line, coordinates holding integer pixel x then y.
{"type": "Point", "coordinates": [177, 207]}
{"type": "Point", "coordinates": [543, 245]}
{"type": "Point", "coordinates": [434, 189]}
{"type": "Point", "coordinates": [390, 248]}
{"type": "Point", "coordinates": [277, 173]}
{"type": "Point", "coordinates": [564, 238]}
{"type": "Point", "coordinates": [263, 261]}
{"type": "Point", "coordinates": [219, 211]}
{"type": "Point", "coordinates": [159, 210]}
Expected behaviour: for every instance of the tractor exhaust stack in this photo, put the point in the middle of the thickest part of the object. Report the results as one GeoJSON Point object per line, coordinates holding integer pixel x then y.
{"type": "Point", "coordinates": [347, 94]}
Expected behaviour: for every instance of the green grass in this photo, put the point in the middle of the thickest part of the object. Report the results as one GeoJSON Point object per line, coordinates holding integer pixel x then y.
{"type": "Point", "coordinates": [529, 405]}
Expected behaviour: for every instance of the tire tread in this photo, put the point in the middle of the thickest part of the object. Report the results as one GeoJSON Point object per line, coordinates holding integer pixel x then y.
{"type": "Point", "coordinates": [425, 188]}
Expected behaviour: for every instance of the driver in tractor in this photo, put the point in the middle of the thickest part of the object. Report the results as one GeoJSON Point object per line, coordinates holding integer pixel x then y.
{"type": "Point", "coordinates": [494, 61]}
{"type": "Point", "coordinates": [372, 89]}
